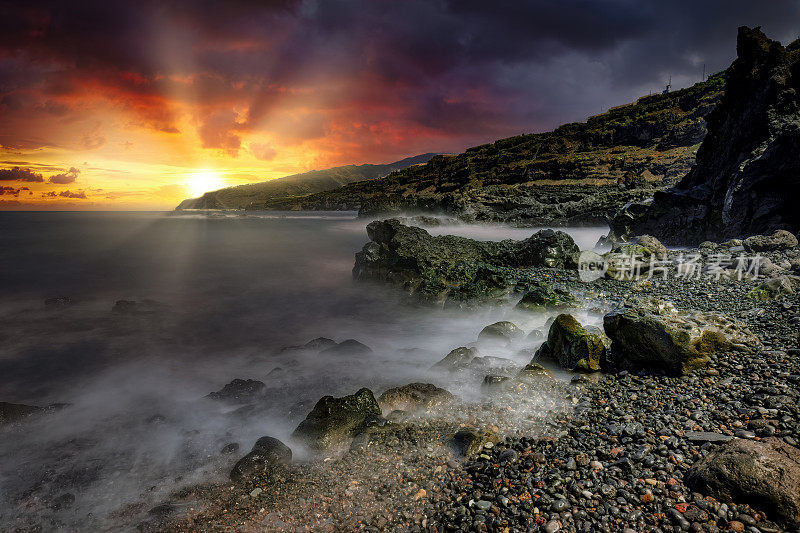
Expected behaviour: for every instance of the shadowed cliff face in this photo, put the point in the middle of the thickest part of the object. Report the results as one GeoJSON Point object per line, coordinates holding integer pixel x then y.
{"type": "Point", "coordinates": [747, 177]}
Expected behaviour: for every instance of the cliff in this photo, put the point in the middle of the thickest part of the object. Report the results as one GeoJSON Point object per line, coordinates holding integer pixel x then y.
{"type": "Point", "coordinates": [747, 176]}
{"type": "Point", "coordinates": [578, 173]}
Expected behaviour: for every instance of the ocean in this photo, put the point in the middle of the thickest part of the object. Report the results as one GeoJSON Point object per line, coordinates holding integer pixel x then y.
{"type": "Point", "coordinates": [218, 297]}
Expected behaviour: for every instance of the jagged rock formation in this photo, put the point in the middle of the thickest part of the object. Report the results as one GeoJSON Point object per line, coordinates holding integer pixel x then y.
{"type": "Point", "coordinates": [447, 267]}
{"type": "Point", "coordinates": [288, 192]}
{"type": "Point", "coordinates": [747, 177]}
{"type": "Point", "coordinates": [578, 173]}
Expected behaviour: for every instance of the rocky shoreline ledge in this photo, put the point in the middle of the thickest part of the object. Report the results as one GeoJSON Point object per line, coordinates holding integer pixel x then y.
{"type": "Point", "coordinates": [695, 428]}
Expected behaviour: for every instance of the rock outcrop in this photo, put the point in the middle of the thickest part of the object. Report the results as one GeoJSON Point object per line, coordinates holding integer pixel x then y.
{"type": "Point", "coordinates": [747, 176]}
{"type": "Point", "coordinates": [268, 455]}
{"type": "Point", "coordinates": [542, 297]}
{"type": "Point", "coordinates": [764, 474]}
{"type": "Point", "coordinates": [573, 346]}
{"type": "Point", "coordinates": [455, 268]}
{"type": "Point", "coordinates": [413, 398]}
{"type": "Point", "coordinates": [503, 331]}
{"type": "Point", "coordinates": [660, 337]}
{"type": "Point", "coordinates": [335, 421]}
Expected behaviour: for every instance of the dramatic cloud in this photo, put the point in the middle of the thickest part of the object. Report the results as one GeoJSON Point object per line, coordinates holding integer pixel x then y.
{"type": "Point", "coordinates": [341, 81]}
{"type": "Point", "coordinates": [264, 152]}
{"type": "Point", "coordinates": [66, 177]}
{"type": "Point", "coordinates": [19, 174]}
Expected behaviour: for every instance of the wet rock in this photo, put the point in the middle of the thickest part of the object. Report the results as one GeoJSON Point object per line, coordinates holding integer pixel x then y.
{"type": "Point", "coordinates": [541, 297]}
{"type": "Point", "coordinates": [780, 240]}
{"type": "Point", "coordinates": [534, 371]}
{"type": "Point", "coordinates": [348, 347]}
{"type": "Point", "coordinates": [239, 390]}
{"type": "Point", "coordinates": [14, 412]}
{"type": "Point", "coordinates": [267, 455]}
{"type": "Point", "coordinates": [414, 397]}
{"type": "Point", "coordinates": [320, 343]}
{"type": "Point", "coordinates": [144, 307]}
{"type": "Point", "coordinates": [334, 421]}
{"type": "Point", "coordinates": [58, 301]}
{"type": "Point", "coordinates": [659, 337]}
{"type": "Point", "coordinates": [468, 443]}
{"type": "Point", "coordinates": [231, 447]}
{"type": "Point", "coordinates": [772, 288]}
{"type": "Point", "coordinates": [765, 474]}
{"type": "Point", "coordinates": [457, 359]}
{"type": "Point", "coordinates": [500, 331]}
{"type": "Point", "coordinates": [572, 346]}
{"type": "Point", "coordinates": [455, 268]}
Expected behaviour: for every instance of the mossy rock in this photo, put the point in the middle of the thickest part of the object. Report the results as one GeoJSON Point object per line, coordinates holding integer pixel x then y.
{"type": "Point", "coordinates": [542, 298]}
{"type": "Point", "coordinates": [334, 421]}
{"type": "Point", "coordinates": [468, 443]}
{"type": "Point", "coordinates": [645, 340]}
{"type": "Point", "coordinates": [572, 346]}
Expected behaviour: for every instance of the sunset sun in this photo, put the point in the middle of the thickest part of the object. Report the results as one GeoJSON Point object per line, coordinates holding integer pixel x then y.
{"type": "Point", "coordinates": [203, 182]}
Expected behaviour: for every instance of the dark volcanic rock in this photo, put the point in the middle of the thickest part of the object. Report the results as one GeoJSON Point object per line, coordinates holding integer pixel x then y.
{"type": "Point", "coordinates": [766, 474]}
{"type": "Point", "coordinates": [456, 359]}
{"type": "Point", "coordinates": [500, 331]}
{"type": "Point", "coordinates": [780, 240]}
{"type": "Point", "coordinates": [414, 397]}
{"type": "Point", "coordinates": [449, 267]}
{"type": "Point", "coordinates": [542, 297]}
{"type": "Point", "coordinates": [747, 176]}
{"type": "Point", "coordinates": [268, 454]}
{"type": "Point", "coordinates": [334, 421]}
{"type": "Point", "coordinates": [348, 347]}
{"type": "Point", "coordinates": [239, 390]}
{"type": "Point", "coordinates": [13, 412]}
{"type": "Point", "coordinates": [659, 337]}
{"type": "Point", "coordinates": [572, 346]}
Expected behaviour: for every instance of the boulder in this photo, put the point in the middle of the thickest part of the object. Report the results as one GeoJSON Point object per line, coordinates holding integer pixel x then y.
{"type": "Point", "coordinates": [773, 288]}
{"type": "Point", "coordinates": [448, 267]}
{"type": "Point", "coordinates": [320, 343]}
{"type": "Point", "coordinates": [652, 245]}
{"type": "Point", "coordinates": [659, 337]}
{"type": "Point", "coordinates": [239, 390]}
{"type": "Point", "coordinates": [457, 359]}
{"type": "Point", "coordinates": [572, 345]}
{"type": "Point", "coordinates": [765, 475]}
{"type": "Point", "coordinates": [348, 347]}
{"type": "Point", "coordinates": [268, 455]}
{"type": "Point", "coordinates": [780, 240]}
{"type": "Point", "coordinates": [504, 331]}
{"type": "Point", "coordinates": [13, 412]}
{"type": "Point", "coordinates": [413, 397]}
{"type": "Point", "coordinates": [58, 301]}
{"type": "Point", "coordinates": [534, 371]}
{"type": "Point", "coordinates": [468, 443]}
{"type": "Point", "coordinates": [335, 421]}
{"type": "Point", "coordinates": [144, 307]}
{"type": "Point", "coordinates": [542, 297]}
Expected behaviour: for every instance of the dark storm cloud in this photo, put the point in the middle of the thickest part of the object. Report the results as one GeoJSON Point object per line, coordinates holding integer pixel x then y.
{"type": "Point", "coordinates": [19, 174]}
{"type": "Point", "coordinates": [462, 71]}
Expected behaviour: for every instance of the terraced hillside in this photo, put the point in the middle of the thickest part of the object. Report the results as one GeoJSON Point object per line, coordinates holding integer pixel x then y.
{"type": "Point", "coordinates": [578, 173]}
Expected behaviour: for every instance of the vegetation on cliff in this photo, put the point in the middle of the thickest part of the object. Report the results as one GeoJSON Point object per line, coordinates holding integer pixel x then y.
{"type": "Point", "coordinates": [580, 172]}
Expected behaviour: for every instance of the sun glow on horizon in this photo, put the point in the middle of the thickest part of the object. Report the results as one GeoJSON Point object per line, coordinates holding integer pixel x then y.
{"type": "Point", "coordinates": [204, 181]}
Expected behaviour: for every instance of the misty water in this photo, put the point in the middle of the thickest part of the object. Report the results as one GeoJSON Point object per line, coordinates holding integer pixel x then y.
{"type": "Point", "coordinates": [232, 291]}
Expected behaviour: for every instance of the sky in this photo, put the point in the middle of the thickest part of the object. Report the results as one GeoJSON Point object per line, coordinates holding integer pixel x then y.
{"type": "Point", "coordinates": [139, 104]}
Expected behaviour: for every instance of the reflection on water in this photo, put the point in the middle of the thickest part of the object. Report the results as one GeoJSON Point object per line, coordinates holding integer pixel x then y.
{"type": "Point", "coordinates": [231, 292]}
